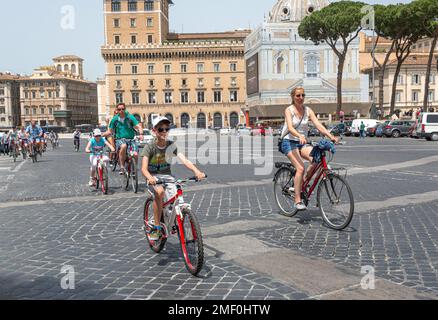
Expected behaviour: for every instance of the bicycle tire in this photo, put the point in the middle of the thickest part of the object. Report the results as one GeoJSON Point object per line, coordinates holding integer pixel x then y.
{"type": "Point", "coordinates": [148, 216]}
{"type": "Point", "coordinates": [284, 178]}
{"type": "Point", "coordinates": [324, 187]}
{"type": "Point", "coordinates": [97, 179]}
{"type": "Point", "coordinates": [105, 181]}
{"type": "Point", "coordinates": [115, 162]}
{"type": "Point", "coordinates": [134, 175]}
{"type": "Point", "coordinates": [194, 261]}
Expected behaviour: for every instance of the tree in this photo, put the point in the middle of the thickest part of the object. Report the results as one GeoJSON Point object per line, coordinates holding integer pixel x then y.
{"type": "Point", "coordinates": [338, 25]}
{"type": "Point", "coordinates": [382, 16]}
{"type": "Point", "coordinates": [404, 29]}
{"type": "Point", "coordinates": [427, 11]}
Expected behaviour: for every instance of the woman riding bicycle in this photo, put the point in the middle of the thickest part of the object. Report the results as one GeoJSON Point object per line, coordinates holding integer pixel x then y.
{"type": "Point", "coordinates": [295, 144]}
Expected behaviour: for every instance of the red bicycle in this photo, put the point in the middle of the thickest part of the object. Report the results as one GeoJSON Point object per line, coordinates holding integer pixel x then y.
{"type": "Point", "coordinates": [334, 196]}
{"type": "Point", "coordinates": [101, 175]}
{"type": "Point", "coordinates": [177, 218]}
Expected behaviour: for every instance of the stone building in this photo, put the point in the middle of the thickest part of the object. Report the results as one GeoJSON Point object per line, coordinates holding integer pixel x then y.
{"type": "Point", "coordinates": [196, 80]}
{"type": "Point", "coordinates": [9, 100]}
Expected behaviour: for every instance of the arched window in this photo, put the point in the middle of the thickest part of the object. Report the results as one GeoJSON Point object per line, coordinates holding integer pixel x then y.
{"type": "Point", "coordinates": [234, 119]}
{"type": "Point", "coordinates": [59, 68]}
{"type": "Point", "coordinates": [311, 66]}
{"type": "Point", "coordinates": [202, 121]}
{"type": "Point", "coordinates": [185, 120]}
{"type": "Point", "coordinates": [217, 120]}
{"type": "Point", "coordinates": [280, 65]}
{"type": "Point", "coordinates": [170, 117]}
{"type": "Point", "coordinates": [73, 68]}
{"type": "Point", "coordinates": [65, 67]}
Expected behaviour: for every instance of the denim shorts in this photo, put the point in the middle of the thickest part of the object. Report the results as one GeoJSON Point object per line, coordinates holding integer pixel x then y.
{"type": "Point", "coordinates": [290, 145]}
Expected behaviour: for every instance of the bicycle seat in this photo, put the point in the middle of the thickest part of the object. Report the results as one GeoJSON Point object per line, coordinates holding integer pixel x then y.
{"type": "Point", "coordinates": [279, 165]}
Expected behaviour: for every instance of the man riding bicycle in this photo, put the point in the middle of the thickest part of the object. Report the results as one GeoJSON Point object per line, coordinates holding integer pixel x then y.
{"type": "Point", "coordinates": [22, 137]}
{"type": "Point", "coordinates": [13, 141]}
{"type": "Point", "coordinates": [124, 126]}
{"type": "Point", "coordinates": [35, 134]}
{"type": "Point", "coordinates": [157, 165]}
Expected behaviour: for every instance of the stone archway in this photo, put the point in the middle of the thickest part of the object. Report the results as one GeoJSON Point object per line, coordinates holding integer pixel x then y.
{"type": "Point", "coordinates": [217, 120]}
{"type": "Point", "coordinates": [185, 120]}
{"type": "Point", "coordinates": [234, 120]}
{"type": "Point", "coordinates": [201, 122]}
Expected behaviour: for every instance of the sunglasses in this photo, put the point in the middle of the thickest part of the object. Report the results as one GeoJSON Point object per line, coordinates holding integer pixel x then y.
{"type": "Point", "coordinates": [120, 110]}
{"type": "Point", "coordinates": [161, 130]}
{"type": "Point", "coordinates": [300, 96]}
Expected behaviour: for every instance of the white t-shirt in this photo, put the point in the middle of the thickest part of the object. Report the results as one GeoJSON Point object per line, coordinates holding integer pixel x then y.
{"type": "Point", "coordinates": [301, 126]}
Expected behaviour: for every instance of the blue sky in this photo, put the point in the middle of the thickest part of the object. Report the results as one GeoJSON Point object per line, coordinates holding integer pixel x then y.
{"type": "Point", "coordinates": [38, 37]}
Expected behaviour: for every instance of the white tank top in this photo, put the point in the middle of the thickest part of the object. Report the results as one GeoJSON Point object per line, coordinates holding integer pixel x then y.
{"type": "Point", "coordinates": [302, 128]}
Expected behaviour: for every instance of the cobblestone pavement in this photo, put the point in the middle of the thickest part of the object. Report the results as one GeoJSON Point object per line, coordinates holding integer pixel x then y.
{"type": "Point", "coordinates": [60, 225]}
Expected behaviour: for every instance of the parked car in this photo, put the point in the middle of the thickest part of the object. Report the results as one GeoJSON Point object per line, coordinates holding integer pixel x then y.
{"type": "Point", "coordinates": [397, 128]}
{"type": "Point", "coordinates": [355, 127]}
{"type": "Point", "coordinates": [225, 131]}
{"type": "Point", "coordinates": [244, 131]}
{"type": "Point", "coordinates": [380, 127]}
{"type": "Point", "coordinates": [147, 138]}
{"type": "Point", "coordinates": [428, 126]}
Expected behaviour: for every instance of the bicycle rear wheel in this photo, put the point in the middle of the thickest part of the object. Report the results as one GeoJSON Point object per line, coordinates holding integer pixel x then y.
{"type": "Point", "coordinates": [284, 192]}
{"type": "Point", "coordinates": [192, 246]}
{"type": "Point", "coordinates": [336, 203]}
{"type": "Point", "coordinates": [149, 223]}
{"type": "Point", "coordinates": [105, 180]}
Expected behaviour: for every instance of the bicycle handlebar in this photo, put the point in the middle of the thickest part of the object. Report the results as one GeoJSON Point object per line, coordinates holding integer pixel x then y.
{"type": "Point", "coordinates": [192, 179]}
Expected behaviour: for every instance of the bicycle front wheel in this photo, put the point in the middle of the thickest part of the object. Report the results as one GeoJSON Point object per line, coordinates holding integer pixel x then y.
{"type": "Point", "coordinates": [284, 192]}
{"type": "Point", "coordinates": [134, 175]}
{"type": "Point", "coordinates": [336, 203]}
{"type": "Point", "coordinates": [149, 222]}
{"type": "Point", "coordinates": [105, 180]}
{"type": "Point", "coordinates": [192, 246]}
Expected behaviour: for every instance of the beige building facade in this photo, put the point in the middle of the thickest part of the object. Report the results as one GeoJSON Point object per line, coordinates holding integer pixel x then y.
{"type": "Point", "coordinates": [196, 80]}
{"type": "Point", "coordinates": [410, 84]}
{"type": "Point", "coordinates": [58, 98]}
{"type": "Point", "coordinates": [9, 100]}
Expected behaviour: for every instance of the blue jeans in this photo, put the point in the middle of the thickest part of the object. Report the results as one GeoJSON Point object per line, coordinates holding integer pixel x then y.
{"type": "Point", "coordinates": [288, 146]}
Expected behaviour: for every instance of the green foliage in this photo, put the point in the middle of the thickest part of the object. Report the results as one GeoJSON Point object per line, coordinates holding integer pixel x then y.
{"type": "Point", "coordinates": [426, 12]}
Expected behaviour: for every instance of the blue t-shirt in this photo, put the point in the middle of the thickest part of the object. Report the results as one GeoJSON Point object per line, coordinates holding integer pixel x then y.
{"type": "Point", "coordinates": [97, 147]}
{"type": "Point", "coordinates": [34, 132]}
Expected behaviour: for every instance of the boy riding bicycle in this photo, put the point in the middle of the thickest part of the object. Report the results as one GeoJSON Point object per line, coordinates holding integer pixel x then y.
{"type": "Point", "coordinates": [95, 147]}
{"type": "Point", "coordinates": [156, 165]}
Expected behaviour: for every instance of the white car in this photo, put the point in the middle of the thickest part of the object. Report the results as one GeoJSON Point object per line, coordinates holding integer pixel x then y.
{"type": "Point", "coordinates": [225, 131]}
{"type": "Point", "coordinates": [147, 138]}
{"type": "Point", "coordinates": [242, 131]}
{"type": "Point", "coordinates": [427, 126]}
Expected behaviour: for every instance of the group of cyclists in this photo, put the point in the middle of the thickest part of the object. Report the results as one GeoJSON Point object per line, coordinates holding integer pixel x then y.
{"type": "Point", "coordinates": [27, 140]}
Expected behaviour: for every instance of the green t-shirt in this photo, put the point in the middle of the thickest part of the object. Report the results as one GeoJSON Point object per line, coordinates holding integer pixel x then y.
{"type": "Point", "coordinates": [160, 159]}
{"type": "Point", "coordinates": [124, 129]}
{"type": "Point", "coordinates": [362, 127]}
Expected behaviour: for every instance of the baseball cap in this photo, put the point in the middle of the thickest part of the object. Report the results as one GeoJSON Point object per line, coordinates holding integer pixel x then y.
{"type": "Point", "coordinates": [158, 120]}
{"type": "Point", "coordinates": [97, 133]}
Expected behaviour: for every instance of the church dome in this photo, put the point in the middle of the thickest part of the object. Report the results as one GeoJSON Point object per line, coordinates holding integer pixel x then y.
{"type": "Point", "coordinates": [294, 10]}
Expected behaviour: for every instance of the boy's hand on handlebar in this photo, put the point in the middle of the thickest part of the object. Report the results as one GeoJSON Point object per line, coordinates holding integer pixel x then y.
{"type": "Point", "coordinates": [200, 176]}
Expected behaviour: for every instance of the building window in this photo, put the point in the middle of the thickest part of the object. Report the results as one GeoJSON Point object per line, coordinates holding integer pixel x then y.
{"type": "Point", "coordinates": [233, 96]}
{"type": "Point", "coordinates": [2, 92]}
{"type": "Point", "coordinates": [33, 95]}
{"type": "Point", "coordinates": [431, 95]}
{"type": "Point", "coordinates": [117, 39]}
{"type": "Point", "coordinates": [135, 98]}
{"type": "Point", "coordinates": [200, 67]}
{"type": "Point", "coordinates": [135, 83]}
{"type": "Point", "coordinates": [50, 110]}
{"type": "Point", "coordinates": [201, 97]}
{"type": "Point", "coordinates": [233, 82]}
{"type": "Point", "coordinates": [151, 83]}
{"type": "Point", "coordinates": [50, 94]}
{"type": "Point", "coordinates": [42, 95]}
{"type": "Point", "coordinates": [200, 82]}
{"type": "Point", "coordinates": [149, 5]}
{"type": "Point", "coordinates": [184, 68]}
{"type": "Point", "coordinates": [27, 111]}
{"type": "Point", "coordinates": [184, 97]}
{"type": "Point", "coordinates": [34, 111]}
{"type": "Point", "coordinates": [432, 79]}
{"type": "Point", "coordinates": [217, 67]}
{"type": "Point", "coordinates": [134, 69]}
{"type": "Point", "coordinates": [167, 68]}
{"type": "Point", "coordinates": [2, 111]}
{"type": "Point", "coordinates": [167, 83]}
{"type": "Point", "coordinates": [42, 110]}
{"type": "Point", "coordinates": [184, 83]}
{"type": "Point", "coordinates": [26, 94]}
{"type": "Point", "coordinates": [57, 93]}
{"type": "Point", "coordinates": [150, 69]}
{"type": "Point", "coordinates": [118, 69]}
{"type": "Point", "coordinates": [233, 67]}
{"type": "Point", "coordinates": [415, 96]}
{"type": "Point", "coordinates": [150, 38]}
{"type": "Point", "coordinates": [132, 5]}
{"type": "Point", "coordinates": [311, 66]}
{"type": "Point", "coordinates": [119, 97]}
{"type": "Point", "coordinates": [152, 98]}
{"type": "Point", "coordinates": [217, 82]}
{"type": "Point", "coordinates": [133, 22]}
{"type": "Point", "coordinates": [202, 121]}
{"type": "Point", "coordinates": [400, 79]}
{"type": "Point", "coordinates": [115, 6]}
{"type": "Point", "coordinates": [398, 96]}
{"type": "Point", "coordinates": [116, 23]}
{"type": "Point", "coordinates": [118, 84]}
{"type": "Point", "coordinates": [217, 96]}
{"type": "Point", "coordinates": [133, 39]}
{"type": "Point", "coordinates": [168, 97]}
{"type": "Point", "coordinates": [416, 79]}
{"type": "Point", "coordinates": [149, 22]}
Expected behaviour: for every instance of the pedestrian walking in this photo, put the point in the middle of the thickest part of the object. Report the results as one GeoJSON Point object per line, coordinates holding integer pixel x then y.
{"type": "Point", "coordinates": [362, 130]}
{"type": "Point", "coordinates": [2, 142]}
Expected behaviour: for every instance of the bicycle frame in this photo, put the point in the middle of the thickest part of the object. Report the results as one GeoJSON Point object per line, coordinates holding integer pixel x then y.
{"type": "Point", "coordinates": [320, 171]}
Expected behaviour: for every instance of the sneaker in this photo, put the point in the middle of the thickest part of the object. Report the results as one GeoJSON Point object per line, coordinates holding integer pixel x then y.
{"type": "Point", "coordinates": [155, 234]}
{"type": "Point", "coordinates": [122, 172]}
{"type": "Point", "coordinates": [91, 183]}
{"type": "Point", "coordinates": [300, 206]}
